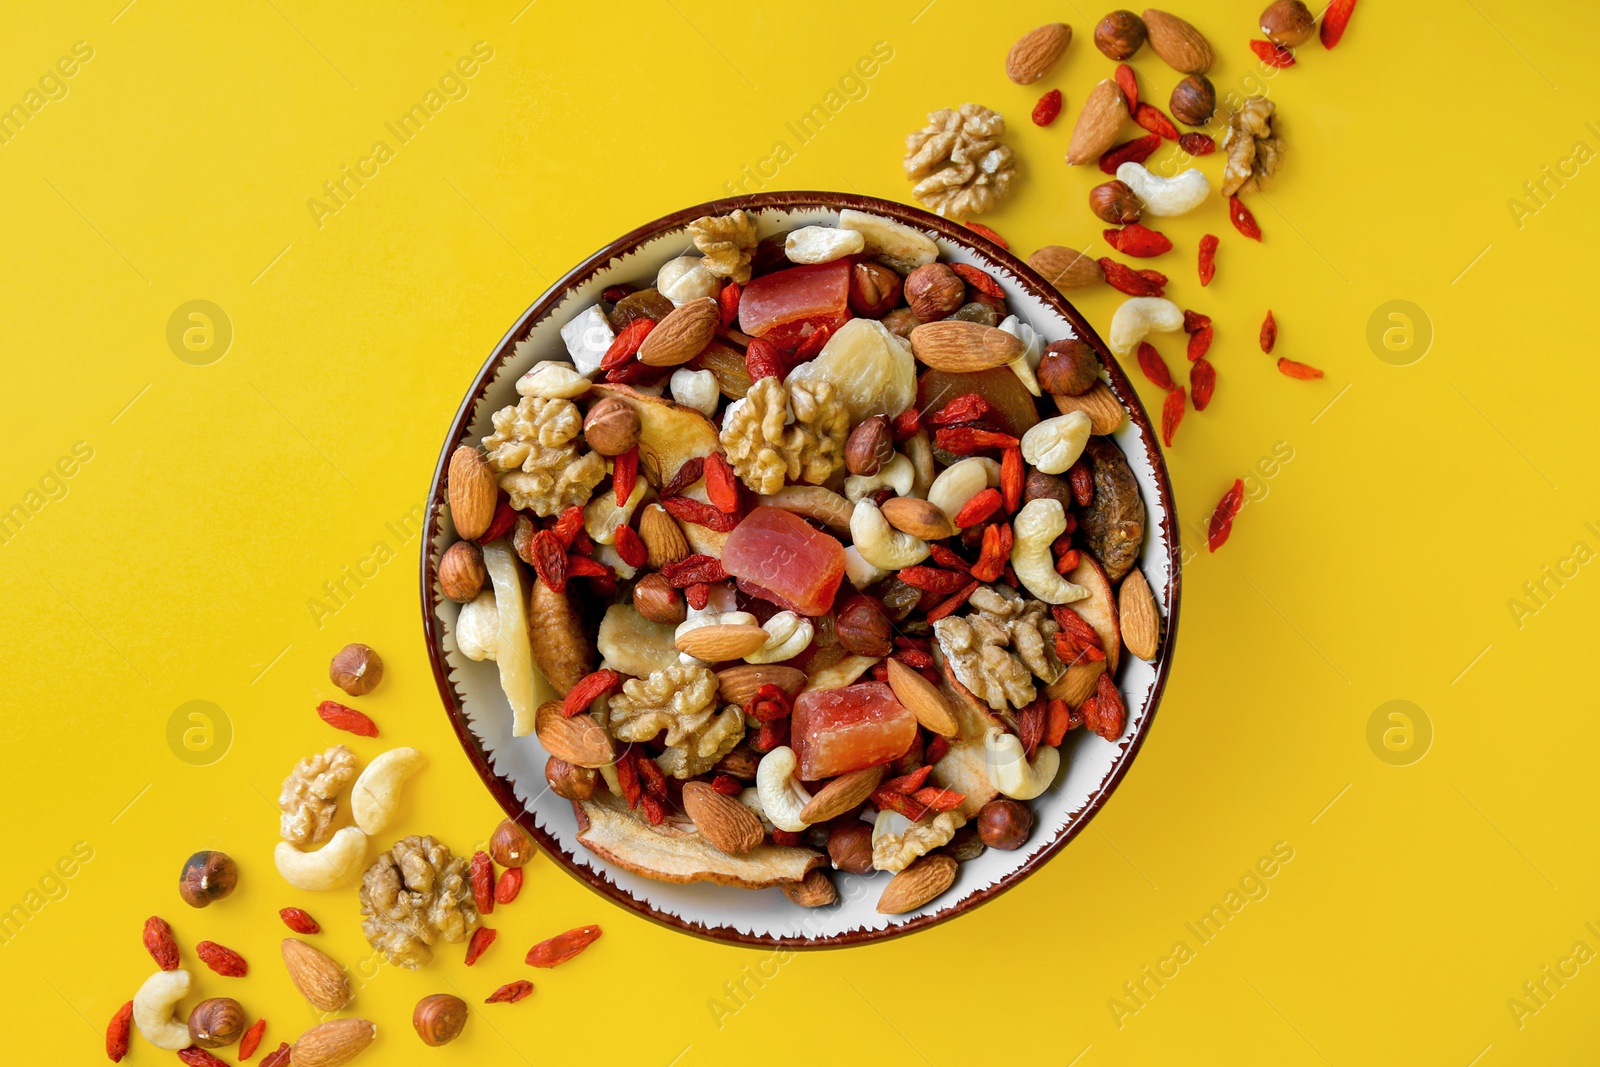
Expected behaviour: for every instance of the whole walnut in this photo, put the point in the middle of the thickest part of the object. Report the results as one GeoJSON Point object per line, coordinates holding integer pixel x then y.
{"type": "Point", "coordinates": [414, 896]}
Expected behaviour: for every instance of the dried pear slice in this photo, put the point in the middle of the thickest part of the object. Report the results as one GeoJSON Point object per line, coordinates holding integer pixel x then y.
{"type": "Point", "coordinates": [669, 434]}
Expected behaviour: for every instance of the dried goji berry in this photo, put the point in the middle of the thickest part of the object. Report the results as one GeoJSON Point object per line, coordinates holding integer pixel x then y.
{"type": "Point", "coordinates": [722, 485]}
{"type": "Point", "coordinates": [651, 778]}
{"type": "Point", "coordinates": [692, 569]}
{"type": "Point", "coordinates": [627, 343]}
{"type": "Point", "coordinates": [981, 229]}
{"type": "Point", "coordinates": [1048, 107]}
{"type": "Point", "coordinates": [567, 527]}
{"type": "Point", "coordinates": [946, 557]}
{"type": "Point", "coordinates": [698, 595]}
{"type": "Point", "coordinates": [1155, 120]}
{"type": "Point", "coordinates": [771, 735]}
{"type": "Point", "coordinates": [1057, 721]}
{"type": "Point", "coordinates": [549, 560]}
{"type": "Point", "coordinates": [1242, 220]}
{"type": "Point", "coordinates": [221, 959]}
{"type": "Point", "coordinates": [1221, 524]}
{"type": "Point", "coordinates": [1068, 561]}
{"type": "Point", "coordinates": [1128, 82]}
{"type": "Point", "coordinates": [1076, 626]}
{"type": "Point", "coordinates": [1154, 367]}
{"type": "Point", "coordinates": [907, 783]}
{"type": "Point", "coordinates": [1202, 382]}
{"type": "Point", "coordinates": [1194, 322]}
{"type": "Point", "coordinates": [561, 948]}
{"type": "Point", "coordinates": [1110, 714]}
{"type": "Point", "coordinates": [481, 939]}
{"type": "Point", "coordinates": [996, 551]}
{"type": "Point", "coordinates": [508, 885]}
{"type": "Point", "coordinates": [118, 1031]}
{"type": "Point", "coordinates": [347, 719]}
{"type": "Point", "coordinates": [683, 477]}
{"type": "Point", "coordinates": [933, 579]}
{"type": "Point", "coordinates": [1082, 482]}
{"type": "Point", "coordinates": [938, 748]}
{"type": "Point", "coordinates": [1269, 333]}
{"type": "Point", "coordinates": [252, 1039]}
{"type": "Point", "coordinates": [728, 303]}
{"type": "Point", "coordinates": [906, 424]}
{"type": "Point", "coordinates": [1012, 477]}
{"type": "Point", "coordinates": [1172, 413]}
{"type": "Point", "coordinates": [1125, 279]}
{"type": "Point", "coordinates": [482, 870]}
{"type": "Point", "coordinates": [1197, 144]}
{"type": "Point", "coordinates": [630, 546]}
{"type": "Point", "coordinates": [1030, 725]}
{"type": "Point", "coordinates": [624, 475]}
{"type": "Point", "coordinates": [159, 942]}
{"type": "Point", "coordinates": [1304, 371]}
{"type": "Point", "coordinates": [584, 567]}
{"type": "Point", "coordinates": [968, 407]}
{"type": "Point", "coordinates": [964, 440]}
{"type": "Point", "coordinates": [1273, 55]}
{"type": "Point", "coordinates": [504, 519]}
{"type": "Point", "coordinates": [1135, 151]}
{"type": "Point", "coordinates": [953, 602]}
{"type": "Point", "coordinates": [685, 509]}
{"type": "Point", "coordinates": [636, 373]}
{"type": "Point", "coordinates": [299, 921]}
{"type": "Point", "coordinates": [278, 1057]}
{"type": "Point", "coordinates": [979, 280]}
{"type": "Point", "coordinates": [768, 703]}
{"type": "Point", "coordinates": [938, 799]}
{"type": "Point", "coordinates": [914, 658]}
{"type": "Point", "coordinates": [653, 809]}
{"type": "Point", "coordinates": [1208, 259]}
{"type": "Point", "coordinates": [975, 511]}
{"type": "Point", "coordinates": [195, 1056]}
{"type": "Point", "coordinates": [727, 785]}
{"type": "Point", "coordinates": [762, 360]}
{"type": "Point", "coordinates": [612, 293]}
{"type": "Point", "coordinates": [627, 767]}
{"type": "Point", "coordinates": [590, 686]}
{"type": "Point", "coordinates": [910, 807]}
{"type": "Point", "coordinates": [1138, 241]}
{"type": "Point", "coordinates": [1334, 21]}
{"type": "Point", "coordinates": [1200, 344]}
{"type": "Point", "coordinates": [509, 993]}
{"type": "Point", "coordinates": [813, 343]}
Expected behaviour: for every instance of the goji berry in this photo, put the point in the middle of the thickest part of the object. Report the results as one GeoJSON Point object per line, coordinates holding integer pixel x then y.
{"type": "Point", "coordinates": [938, 799]}
{"type": "Point", "coordinates": [508, 885]}
{"type": "Point", "coordinates": [347, 719]}
{"type": "Point", "coordinates": [813, 343]}
{"type": "Point", "coordinates": [1048, 107]}
{"type": "Point", "coordinates": [509, 993]}
{"type": "Point", "coordinates": [938, 748]}
{"type": "Point", "coordinates": [252, 1039]}
{"type": "Point", "coordinates": [1172, 413]}
{"type": "Point", "coordinates": [549, 560]}
{"type": "Point", "coordinates": [1076, 625]}
{"type": "Point", "coordinates": [1154, 367]}
{"type": "Point", "coordinates": [768, 703]}
{"type": "Point", "coordinates": [1068, 561]}
{"type": "Point", "coordinates": [627, 766]}
{"type": "Point", "coordinates": [1304, 371]}
{"type": "Point", "coordinates": [561, 948]}
{"type": "Point", "coordinates": [1135, 151]}
{"type": "Point", "coordinates": [1137, 241]}
{"type": "Point", "coordinates": [278, 1057]}
{"type": "Point", "coordinates": [195, 1056]}
{"type": "Point", "coordinates": [728, 303]}
{"type": "Point", "coordinates": [968, 407]}
{"type": "Point", "coordinates": [1197, 144]}
{"type": "Point", "coordinates": [630, 546]}
{"type": "Point", "coordinates": [762, 360]}
{"type": "Point", "coordinates": [221, 959]}
{"type": "Point", "coordinates": [1273, 55]}
{"type": "Point", "coordinates": [299, 921]}
{"type": "Point", "coordinates": [584, 567]}
{"type": "Point", "coordinates": [504, 519]}
{"type": "Point", "coordinates": [159, 942]}
{"type": "Point", "coordinates": [481, 939]}
{"type": "Point", "coordinates": [964, 440]}
{"type": "Point", "coordinates": [1242, 220]}
{"type": "Point", "coordinates": [1012, 477]}
{"type": "Point", "coordinates": [906, 424]}
{"type": "Point", "coordinates": [1194, 322]}
{"type": "Point", "coordinates": [651, 778]}
{"type": "Point", "coordinates": [683, 477]}
{"type": "Point", "coordinates": [722, 485]}
{"type": "Point", "coordinates": [1125, 279]}
{"type": "Point", "coordinates": [771, 735]}
{"type": "Point", "coordinates": [612, 293]}
{"type": "Point", "coordinates": [914, 658]}
{"type": "Point", "coordinates": [1334, 21]}
{"type": "Point", "coordinates": [1199, 345]}
{"type": "Point", "coordinates": [906, 783]}
{"type": "Point", "coordinates": [1269, 333]}
{"type": "Point", "coordinates": [693, 569]}
{"type": "Point", "coordinates": [1030, 726]}
{"type": "Point", "coordinates": [975, 511]}
{"type": "Point", "coordinates": [482, 871]}
{"type": "Point", "coordinates": [627, 343]}
{"type": "Point", "coordinates": [996, 551]}
{"type": "Point", "coordinates": [624, 475]}
{"type": "Point", "coordinates": [1057, 721]}
{"type": "Point", "coordinates": [1110, 714]}
{"type": "Point", "coordinates": [984, 231]}
{"type": "Point", "coordinates": [1202, 383]}
{"type": "Point", "coordinates": [946, 557]}
{"type": "Point", "coordinates": [590, 686]}
{"type": "Point", "coordinates": [910, 807]}
{"type": "Point", "coordinates": [727, 785]}
{"type": "Point", "coordinates": [685, 509]}
{"type": "Point", "coordinates": [953, 603]}
{"type": "Point", "coordinates": [653, 809]}
{"type": "Point", "coordinates": [1128, 82]}
{"type": "Point", "coordinates": [1081, 480]}
{"type": "Point", "coordinates": [118, 1032]}
{"type": "Point", "coordinates": [979, 280]}
{"type": "Point", "coordinates": [698, 595]}
{"type": "Point", "coordinates": [636, 373]}
{"type": "Point", "coordinates": [1155, 120]}
{"type": "Point", "coordinates": [1208, 258]}
{"type": "Point", "coordinates": [1221, 524]}
{"type": "Point", "coordinates": [568, 526]}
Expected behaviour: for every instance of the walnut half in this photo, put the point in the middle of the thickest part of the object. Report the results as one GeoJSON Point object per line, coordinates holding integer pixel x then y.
{"type": "Point", "coordinates": [998, 648]}
{"type": "Point", "coordinates": [534, 455]}
{"type": "Point", "coordinates": [958, 162]}
{"type": "Point", "coordinates": [310, 796]}
{"type": "Point", "coordinates": [416, 895]}
{"type": "Point", "coordinates": [795, 431]}
{"type": "Point", "coordinates": [682, 700]}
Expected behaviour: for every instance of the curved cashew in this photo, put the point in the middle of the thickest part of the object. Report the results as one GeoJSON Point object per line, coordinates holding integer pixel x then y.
{"type": "Point", "coordinates": [881, 544]}
{"type": "Point", "coordinates": [696, 389]}
{"type": "Point", "coordinates": [153, 1010]}
{"type": "Point", "coordinates": [709, 616]}
{"type": "Point", "coordinates": [1055, 444]}
{"type": "Point", "coordinates": [919, 449]}
{"type": "Point", "coordinates": [602, 515]}
{"type": "Point", "coordinates": [553, 378]}
{"type": "Point", "coordinates": [782, 798]}
{"type": "Point", "coordinates": [960, 482]}
{"type": "Point", "coordinates": [1037, 525]}
{"type": "Point", "coordinates": [1009, 770]}
{"type": "Point", "coordinates": [821, 244]}
{"type": "Point", "coordinates": [377, 791]}
{"type": "Point", "coordinates": [477, 629]}
{"type": "Point", "coordinates": [1164, 197]}
{"type": "Point", "coordinates": [858, 570]}
{"type": "Point", "coordinates": [1140, 316]}
{"type": "Point", "coordinates": [1032, 352]}
{"type": "Point", "coordinates": [897, 474]}
{"type": "Point", "coordinates": [686, 278]}
{"type": "Point", "coordinates": [788, 634]}
{"type": "Point", "coordinates": [338, 863]}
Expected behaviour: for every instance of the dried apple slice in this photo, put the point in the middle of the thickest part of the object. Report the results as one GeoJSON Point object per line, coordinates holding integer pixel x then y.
{"type": "Point", "coordinates": [965, 769]}
{"type": "Point", "coordinates": [515, 653]}
{"type": "Point", "coordinates": [632, 644]}
{"type": "Point", "coordinates": [667, 853]}
{"type": "Point", "coordinates": [1099, 609]}
{"type": "Point", "coordinates": [669, 434]}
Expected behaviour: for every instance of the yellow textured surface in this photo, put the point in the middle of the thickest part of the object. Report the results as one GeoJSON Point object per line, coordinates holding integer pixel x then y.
{"type": "Point", "coordinates": [1399, 514]}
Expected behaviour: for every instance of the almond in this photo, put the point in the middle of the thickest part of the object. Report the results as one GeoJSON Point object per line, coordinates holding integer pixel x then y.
{"type": "Point", "coordinates": [1140, 622]}
{"type": "Point", "coordinates": [959, 347]}
{"type": "Point", "coordinates": [917, 517]}
{"type": "Point", "coordinates": [842, 794]}
{"type": "Point", "coordinates": [1066, 268]}
{"type": "Point", "coordinates": [1104, 110]}
{"type": "Point", "coordinates": [472, 492]}
{"type": "Point", "coordinates": [1032, 57]}
{"type": "Point", "coordinates": [663, 538]}
{"type": "Point", "coordinates": [1099, 403]}
{"type": "Point", "coordinates": [332, 1043]}
{"type": "Point", "coordinates": [922, 699]}
{"type": "Point", "coordinates": [815, 890]}
{"type": "Point", "coordinates": [680, 336]}
{"type": "Point", "coordinates": [1078, 684]}
{"type": "Point", "coordinates": [917, 884]}
{"type": "Point", "coordinates": [579, 740]}
{"type": "Point", "coordinates": [1180, 45]}
{"type": "Point", "coordinates": [721, 642]}
{"type": "Point", "coordinates": [722, 820]}
{"type": "Point", "coordinates": [736, 685]}
{"type": "Point", "coordinates": [319, 979]}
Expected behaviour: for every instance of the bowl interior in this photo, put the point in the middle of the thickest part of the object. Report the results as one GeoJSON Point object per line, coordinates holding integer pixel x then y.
{"type": "Point", "coordinates": [513, 768]}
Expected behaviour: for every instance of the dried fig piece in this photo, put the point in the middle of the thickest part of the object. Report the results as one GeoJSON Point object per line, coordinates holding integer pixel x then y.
{"type": "Point", "coordinates": [561, 644]}
{"type": "Point", "coordinates": [1113, 524]}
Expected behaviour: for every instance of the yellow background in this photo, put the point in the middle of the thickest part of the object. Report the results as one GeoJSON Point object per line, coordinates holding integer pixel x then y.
{"type": "Point", "coordinates": [1376, 565]}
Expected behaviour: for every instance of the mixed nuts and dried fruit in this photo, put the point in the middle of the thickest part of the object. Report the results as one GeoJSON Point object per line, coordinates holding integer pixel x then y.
{"type": "Point", "coordinates": [846, 566]}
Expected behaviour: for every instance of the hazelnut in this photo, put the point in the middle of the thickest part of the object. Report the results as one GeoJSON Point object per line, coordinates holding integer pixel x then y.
{"type": "Point", "coordinates": [862, 627]}
{"type": "Point", "coordinates": [1115, 202]}
{"type": "Point", "coordinates": [1288, 22]}
{"type": "Point", "coordinates": [439, 1018]}
{"type": "Point", "coordinates": [510, 845]}
{"type": "Point", "coordinates": [870, 446]}
{"type": "Point", "coordinates": [216, 1022]}
{"type": "Point", "coordinates": [1005, 823]}
{"type": "Point", "coordinates": [461, 571]}
{"type": "Point", "coordinates": [850, 847]}
{"type": "Point", "coordinates": [965, 845]}
{"type": "Point", "coordinates": [1120, 34]}
{"type": "Point", "coordinates": [611, 427]}
{"type": "Point", "coordinates": [656, 599]}
{"type": "Point", "coordinates": [1049, 487]}
{"type": "Point", "coordinates": [901, 321]}
{"type": "Point", "coordinates": [567, 781]}
{"type": "Point", "coordinates": [207, 876]}
{"type": "Point", "coordinates": [357, 669]}
{"type": "Point", "coordinates": [1193, 100]}
{"type": "Point", "coordinates": [1068, 368]}
{"type": "Point", "coordinates": [874, 290]}
{"type": "Point", "coordinates": [933, 291]}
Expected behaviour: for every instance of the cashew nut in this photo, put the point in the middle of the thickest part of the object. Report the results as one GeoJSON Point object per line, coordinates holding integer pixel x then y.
{"type": "Point", "coordinates": [153, 1010]}
{"type": "Point", "coordinates": [960, 482]}
{"type": "Point", "coordinates": [376, 794]}
{"type": "Point", "coordinates": [821, 244]}
{"type": "Point", "coordinates": [709, 616]}
{"type": "Point", "coordinates": [1055, 444]}
{"type": "Point", "coordinates": [859, 571]}
{"type": "Point", "coordinates": [609, 555]}
{"type": "Point", "coordinates": [686, 278]}
{"type": "Point", "coordinates": [897, 474]}
{"type": "Point", "coordinates": [1139, 316]}
{"type": "Point", "coordinates": [1036, 526]}
{"type": "Point", "coordinates": [881, 544]}
{"type": "Point", "coordinates": [477, 629]}
{"type": "Point", "coordinates": [696, 389]}
{"type": "Point", "coordinates": [1032, 352]}
{"type": "Point", "coordinates": [1009, 770]}
{"type": "Point", "coordinates": [553, 378]}
{"type": "Point", "coordinates": [602, 515]}
{"type": "Point", "coordinates": [919, 449]}
{"type": "Point", "coordinates": [1164, 197]}
{"type": "Point", "coordinates": [338, 863]}
{"type": "Point", "coordinates": [750, 797]}
{"type": "Point", "coordinates": [782, 798]}
{"type": "Point", "coordinates": [788, 636]}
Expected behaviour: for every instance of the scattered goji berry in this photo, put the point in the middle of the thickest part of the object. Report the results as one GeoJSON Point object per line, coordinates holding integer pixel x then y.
{"type": "Point", "coordinates": [1202, 383]}
{"type": "Point", "coordinates": [630, 546]}
{"type": "Point", "coordinates": [627, 343]}
{"type": "Point", "coordinates": [1242, 220]}
{"type": "Point", "coordinates": [727, 785]}
{"type": "Point", "coordinates": [561, 948]}
{"type": "Point", "coordinates": [1128, 82]}
{"type": "Point", "coordinates": [299, 921]}
{"type": "Point", "coordinates": [762, 360]}
{"type": "Point", "coordinates": [698, 595]}
{"type": "Point", "coordinates": [722, 485]}
{"type": "Point", "coordinates": [1199, 345]}
{"type": "Point", "coordinates": [771, 735]}
{"type": "Point", "coordinates": [653, 809]}
{"type": "Point", "coordinates": [1208, 258]}
{"type": "Point", "coordinates": [549, 560]}
{"type": "Point", "coordinates": [768, 703]}
{"type": "Point", "coordinates": [682, 478]}
{"type": "Point", "coordinates": [996, 551]}
{"type": "Point", "coordinates": [911, 808]}
{"type": "Point", "coordinates": [1334, 21]}
{"type": "Point", "coordinates": [964, 440]}
{"type": "Point", "coordinates": [584, 567]}
{"type": "Point", "coordinates": [590, 686]}
{"type": "Point", "coordinates": [1048, 107]}
{"type": "Point", "coordinates": [509, 993]}
{"type": "Point", "coordinates": [1269, 333]}
{"type": "Point", "coordinates": [1082, 482]}
{"type": "Point", "coordinates": [482, 870]}
{"type": "Point", "coordinates": [221, 959]}
{"type": "Point", "coordinates": [348, 719]}
{"type": "Point", "coordinates": [692, 569]}
{"type": "Point", "coordinates": [1197, 144]}
{"type": "Point", "coordinates": [933, 579]}
{"type": "Point", "coordinates": [1154, 367]}
{"type": "Point", "coordinates": [481, 939]}
{"type": "Point", "coordinates": [685, 509]}
{"type": "Point", "coordinates": [1125, 279]}
{"type": "Point", "coordinates": [938, 799]}
{"type": "Point", "coordinates": [728, 303]}
{"type": "Point", "coordinates": [946, 557]}
{"type": "Point", "coordinates": [1304, 371]}
{"type": "Point", "coordinates": [969, 407]}
{"type": "Point", "coordinates": [984, 231]}
{"type": "Point", "coordinates": [651, 778]}
{"type": "Point", "coordinates": [159, 942]}
{"type": "Point", "coordinates": [1138, 241]}
{"type": "Point", "coordinates": [907, 783]}
{"type": "Point", "coordinates": [1110, 715]}
{"type": "Point", "coordinates": [977, 510]}
{"type": "Point", "coordinates": [1172, 413]}
{"type": "Point", "coordinates": [1076, 625]}
{"type": "Point", "coordinates": [195, 1056]}
{"type": "Point", "coordinates": [624, 475]}
{"type": "Point", "coordinates": [504, 519]}
{"type": "Point", "coordinates": [1030, 726]}
{"type": "Point", "coordinates": [278, 1057]}
{"type": "Point", "coordinates": [954, 601]}
{"type": "Point", "coordinates": [627, 766]}
{"type": "Point", "coordinates": [567, 526]}
{"type": "Point", "coordinates": [508, 885]}
{"type": "Point", "coordinates": [812, 344]}
{"type": "Point", "coordinates": [118, 1032]}
{"type": "Point", "coordinates": [906, 424]}
{"type": "Point", "coordinates": [1221, 524]}
{"type": "Point", "coordinates": [1273, 55]}
{"type": "Point", "coordinates": [1057, 721]}
{"type": "Point", "coordinates": [1194, 322]}
{"type": "Point", "coordinates": [938, 748]}
{"type": "Point", "coordinates": [1155, 120]}
{"type": "Point", "coordinates": [252, 1039]}
{"type": "Point", "coordinates": [1135, 151]}
{"type": "Point", "coordinates": [612, 293]}
{"type": "Point", "coordinates": [1012, 477]}
{"type": "Point", "coordinates": [979, 280]}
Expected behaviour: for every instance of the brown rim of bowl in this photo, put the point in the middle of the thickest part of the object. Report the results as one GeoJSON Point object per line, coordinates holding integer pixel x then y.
{"type": "Point", "coordinates": [986, 250]}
